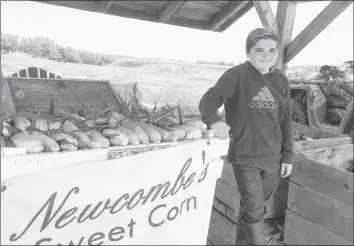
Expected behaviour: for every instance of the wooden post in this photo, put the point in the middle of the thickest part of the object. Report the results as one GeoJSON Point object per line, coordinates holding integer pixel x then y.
{"type": "Point", "coordinates": [285, 19]}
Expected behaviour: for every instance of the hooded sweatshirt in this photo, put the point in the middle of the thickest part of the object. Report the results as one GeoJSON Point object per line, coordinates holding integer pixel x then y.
{"type": "Point", "coordinates": [258, 111]}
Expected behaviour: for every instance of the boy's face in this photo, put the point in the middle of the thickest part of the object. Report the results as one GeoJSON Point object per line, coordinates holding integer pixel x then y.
{"type": "Point", "coordinates": [263, 55]}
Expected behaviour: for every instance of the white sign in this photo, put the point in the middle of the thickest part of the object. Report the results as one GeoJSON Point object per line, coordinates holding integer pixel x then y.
{"type": "Point", "coordinates": [158, 197]}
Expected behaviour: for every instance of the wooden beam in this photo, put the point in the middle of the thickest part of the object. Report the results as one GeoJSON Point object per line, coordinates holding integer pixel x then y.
{"type": "Point", "coordinates": [226, 14]}
{"type": "Point", "coordinates": [170, 9]}
{"type": "Point", "coordinates": [103, 6]}
{"type": "Point", "coordinates": [285, 20]}
{"type": "Point", "coordinates": [265, 13]}
{"type": "Point", "coordinates": [330, 13]}
{"type": "Point", "coordinates": [247, 7]}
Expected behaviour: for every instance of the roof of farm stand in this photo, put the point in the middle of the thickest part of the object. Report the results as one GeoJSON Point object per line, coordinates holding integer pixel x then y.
{"type": "Point", "coordinates": [203, 15]}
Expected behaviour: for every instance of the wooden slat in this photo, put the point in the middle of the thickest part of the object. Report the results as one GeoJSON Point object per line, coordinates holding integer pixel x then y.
{"type": "Point", "coordinates": [226, 13]}
{"type": "Point", "coordinates": [338, 157]}
{"type": "Point", "coordinates": [169, 10]}
{"type": "Point", "coordinates": [347, 120]}
{"type": "Point", "coordinates": [103, 6]}
{"type": "Point", "coordinates": [285, 19]}
{"type": "Point", "coordinates": [123, 11]}
{"type": "Point", "coordinates": [82, 5]}
{"type": "Point", "coordinates": [314, 132]}
{"type": "Point", "coordinates": [228, 175]}
{"type": "Point", "coordinates": [300, 146]}
{"type": "Point", "coordinates": [227, 194]}
{"type": "Point", "coordinates": [225, 210]}
{"type": "Point", "coordinates": [146, 6]}
{"type": "Point", "coordinates": [248, 6]}
{"type": "Point", "coordinates": [222, 231]}
{"type": "Point", "coordinates": [330, 181]}
{"type": "Point", "coordinates": [301, 231]}
{"type": "Point", "coordinates": [314, 28]}
{"type": "Point", "coordinates": [265, 14]}
{"type": "Point", "coordinates": [197, 11]}
{"type": "Point", "coordinates": [213, 4]}
{"type": "Point", "coordinates": [322, 210]}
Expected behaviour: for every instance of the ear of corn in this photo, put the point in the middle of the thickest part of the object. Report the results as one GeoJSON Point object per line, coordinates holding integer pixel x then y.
{"type": "Point", "coordinates": [190, 131]}
{"type": "Point", "coordinates": [115, 118]}
{"type": "Point", "coordinates": [132, 136]}
{"type": "Point", "coordinates": [54, 125]}
{"type": "Point", "coordinates": [8, 130]}
{"type": "Point", "coordinates": [110, 133]}
{"type": "Point", "coordinates": [130, 125]}
{"type": "Point", "coordinates": [50, 145]}
{"type": "Point", "coordinates": [30, 143]}
{"type": "Point", "coordinates": [65, 141]}
{"type": "Point", "coordinates": [69, 126]}
{"type": "Point", "coordinates": [166, 135]}
{"type": "Point", "coordinates": [121, 140]}
{"type": "Point", "coordinates": [83, 139]}
{"type": "Point", "coordinates": [154, 135]}
{"type": "Point", "coordinates": [98, 120]}
{"type": "Point", "coordinates": [41, 124]}
{"type": "Point", "coordinates": [197, 124]}
{"type": "Point", "coordinates": [95, 136]}
{"type": "Point", "coordinates": [21, 123]}
{"type": "Point", "coordinates": [180, 134]}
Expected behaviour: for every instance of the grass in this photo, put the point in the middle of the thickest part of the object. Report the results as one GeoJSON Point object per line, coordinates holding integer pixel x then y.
{"type": "Point", "coordinates": [158, 80]}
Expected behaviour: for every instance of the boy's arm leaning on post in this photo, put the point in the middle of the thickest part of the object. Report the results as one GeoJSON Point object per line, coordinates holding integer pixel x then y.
{"type": "Point", "coordinates": [214, 98]}
{"type": "Point", "coordinates": [286, 129]}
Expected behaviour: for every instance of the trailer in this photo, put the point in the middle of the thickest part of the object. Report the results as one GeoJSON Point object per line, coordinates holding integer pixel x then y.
{"type": "Point", "coordinates": [133, 195]}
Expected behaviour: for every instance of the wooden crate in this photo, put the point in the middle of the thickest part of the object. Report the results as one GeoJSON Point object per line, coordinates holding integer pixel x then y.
{"type": "Point", "coordinates": [320, 198]}
{"type": "Point", "coordinates": [227, 197]}
{"type": "Point", "coordinates": [321, 138]}
{"type": "Point", "coordinates": [226, 188]}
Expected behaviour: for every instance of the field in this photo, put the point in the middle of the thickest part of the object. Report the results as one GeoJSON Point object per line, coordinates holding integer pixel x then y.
{"type": "Point", "coordinates": [159, 81]}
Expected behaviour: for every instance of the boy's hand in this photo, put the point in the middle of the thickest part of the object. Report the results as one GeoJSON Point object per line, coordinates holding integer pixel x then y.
{"type": "Point", "coordinates": [285, 170]}
{"type": "Point", "coordinates": [220, 129]}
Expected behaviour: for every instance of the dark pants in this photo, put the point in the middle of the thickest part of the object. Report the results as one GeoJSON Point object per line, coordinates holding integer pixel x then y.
{"type": "Point", "coordinates": [257, 179]}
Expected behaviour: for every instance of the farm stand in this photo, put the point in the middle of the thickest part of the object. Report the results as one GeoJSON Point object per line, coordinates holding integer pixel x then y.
{"type": "Point", "coordinates": [80, 196]}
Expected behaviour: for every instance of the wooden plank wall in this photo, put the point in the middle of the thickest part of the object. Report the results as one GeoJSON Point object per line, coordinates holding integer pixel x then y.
{"type": "Point", "coordinates": [320, 205]}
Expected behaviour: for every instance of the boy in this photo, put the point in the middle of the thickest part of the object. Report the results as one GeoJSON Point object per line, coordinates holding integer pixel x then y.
{"type": "Point", "coordinates": [257, 105]}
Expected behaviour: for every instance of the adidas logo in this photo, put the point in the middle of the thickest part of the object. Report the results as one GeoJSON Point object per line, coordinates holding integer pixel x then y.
{"type": "Point", "coordinates": [264, 99]}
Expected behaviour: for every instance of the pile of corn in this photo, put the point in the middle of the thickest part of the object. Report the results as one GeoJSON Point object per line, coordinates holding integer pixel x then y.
{"type": "Point", "coordinates": [63, 134]}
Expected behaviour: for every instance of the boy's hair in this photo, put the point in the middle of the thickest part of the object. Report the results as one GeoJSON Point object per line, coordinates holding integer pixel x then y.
{"type": "Point", "coordinates": [258, 34]}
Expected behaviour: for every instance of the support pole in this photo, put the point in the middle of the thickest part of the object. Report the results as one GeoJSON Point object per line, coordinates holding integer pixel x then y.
{"type": "Point", "coordinates": [285, 19]}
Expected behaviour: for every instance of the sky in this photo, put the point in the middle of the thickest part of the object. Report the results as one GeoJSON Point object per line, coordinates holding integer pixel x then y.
{"type": "Point", "coordinates": [108, 34]}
